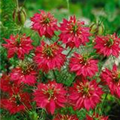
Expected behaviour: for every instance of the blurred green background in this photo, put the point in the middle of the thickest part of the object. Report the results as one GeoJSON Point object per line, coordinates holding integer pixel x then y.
{"type": "Point", "coordinates": [107, 11]}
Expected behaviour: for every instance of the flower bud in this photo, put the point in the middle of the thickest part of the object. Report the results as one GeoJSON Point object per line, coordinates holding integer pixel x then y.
{"type": "Point", "coordinates": [19, 16]}
{"type": "Point", "coordinates": [97, 28]}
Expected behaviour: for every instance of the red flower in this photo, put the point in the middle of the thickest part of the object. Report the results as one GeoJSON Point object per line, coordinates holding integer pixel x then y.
{"type": "Point", "coordinates": [50, 96]}
{"type": "Point", "coordinates": [15, 100]}
{"type": "Point", "coordinates": [66, 117]}
{"type": "Point", "coordinates": [49, 57]}
{"type": "Point", "coordinates": [96, 117]}
{"type": "Point", "coordinates": [108, 45]}
{"type": "Point", "coordinates": [27, 76]}
{"type": "Point", "coordinates": [112, 79]}
{"type": "Point", "coordinates": [85, 94]}
{"type": "Point", "coordinates": [5, 83]}
{"type": "Point", "coordinates": [19, 45]}
{"type": "Point", "coordinates": [73, 32]}
{"type": "Point", "coordinates": [44, 23]}
{"type": "Point", "coordinates": [82, 65]}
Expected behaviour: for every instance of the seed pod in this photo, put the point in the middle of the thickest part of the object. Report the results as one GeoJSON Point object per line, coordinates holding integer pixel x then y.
{"type": "Point", "coordinates": [97, 28]}
{"type": "Point", "coordinates": [19, 16]}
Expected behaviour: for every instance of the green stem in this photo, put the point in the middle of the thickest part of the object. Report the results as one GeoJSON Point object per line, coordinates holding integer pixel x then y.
{"type": "Point", "coordinates": [17, 3]}
{"type": "Point", "coordinates": [69, 52]}
{"type": "Point", "coordinates": [68, 5]}
{"type": "Point", "coordinates": [104, 101]}
{"type": "Point", "coordinates": [55, 77]}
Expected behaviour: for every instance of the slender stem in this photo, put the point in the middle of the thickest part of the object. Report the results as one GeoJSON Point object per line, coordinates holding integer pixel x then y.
{"type": "Point", "coordinates": [68, 5]}
{"type": "Point", "coordinates": [105, 98]}
{"type": "Point", "coordinates": [20, 29]}
{"type": "Point", "coordinates": [69, 52]}
{"type": "Point", "coordinates": [17, 3]}
{"type": "Point", "coordinates": [55, 77]}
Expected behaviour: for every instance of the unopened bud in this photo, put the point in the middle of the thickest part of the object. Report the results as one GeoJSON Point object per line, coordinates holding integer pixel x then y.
{"type": "Point", "coordinates": [97, 28]}
{"type": "Point", "coordinates": [19, 16]}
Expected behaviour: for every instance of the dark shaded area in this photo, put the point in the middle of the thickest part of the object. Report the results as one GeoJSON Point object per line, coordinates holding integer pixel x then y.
{"type": "Point", "coordinates": [114, 112]}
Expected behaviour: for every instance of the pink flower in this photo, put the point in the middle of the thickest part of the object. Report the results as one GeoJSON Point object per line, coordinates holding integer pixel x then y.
{"type": "Point", "coordinates": [27, 76]}
{"type": "Point", "coordinates": [85, 94]}
{"type": "Point", "coordinates": [108, 45]}
{"type": "Point", "coordinates": [18, 44]}
{"type": "Point", "coordinates": [66, 117]}
{"type": "Point", "coordinates": [44, 23]}
{"type": "Point", "coordinates": [82, 65]}
{"type": "Point", "coordinates": [50, 96]}
{"type": "Point", "coordinates": [73, 32]}
{"type": "Point", "coordinates": [112, 79]}
{"type": "Point", "coordinates": [49, 57]}
{"type": "Point", "coordinates": [96, 117]}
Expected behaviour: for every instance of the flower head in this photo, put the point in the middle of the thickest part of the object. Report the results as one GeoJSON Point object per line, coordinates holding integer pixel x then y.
{"type": "Point", "coordinates": [24, 74]}
{"type": "Point", "coordinates": [73, 32]}
{"type": "Point", "coordinates": [44, 23]}
{"type": "Point", "coordinates": [85, 94]}
{"type": "Point", "coordinates": [66, 117]}
{"type": "Point", "coordinates": [112, 79]}
{"type": "Point", "coordinates": [108, 45]}
{"type": "Point", "coordinates": [50, 96]}
{"type": "Point", "coordinates": [18, 44]}
{"type": "Point", "coordinates": [49, 57]}
{"type": "Point", "coordinates": [83, 65]}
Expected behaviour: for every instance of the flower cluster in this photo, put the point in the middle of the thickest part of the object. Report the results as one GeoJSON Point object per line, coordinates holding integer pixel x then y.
{"type": "Point", "coordinates": [15, 99]}
{"type": "Point", "coordinates": [34, 82]}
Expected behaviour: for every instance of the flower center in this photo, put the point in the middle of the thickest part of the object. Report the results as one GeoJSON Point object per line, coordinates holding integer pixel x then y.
{"type": "Point", "coordinates": [75, 28]}
{"type": "Point", "coordinates": [46, 21]}
{"type": "Point", "coordinates": [65, 117]}
{"type": "Point", "coordinates": [17, 99]}
{"type": "Point", "coordinates": [50, 93]}
{"type": "Point", "coordinates": [48, 51]}
{"type": "Point", "coordinates": [109, 42]}
{"type": "Point", "coordinates": [116, 77]}
{"type": "Point", "coordinates": [116, 80]}
{"type": "Point", "coordinates": [85, 90]}
{"type": "Point", "coordinates": [84, 60]}
{"type": "Point", "coordinates": [18, 44]}
{"type": "Point", "coordinates": [27, 67]}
